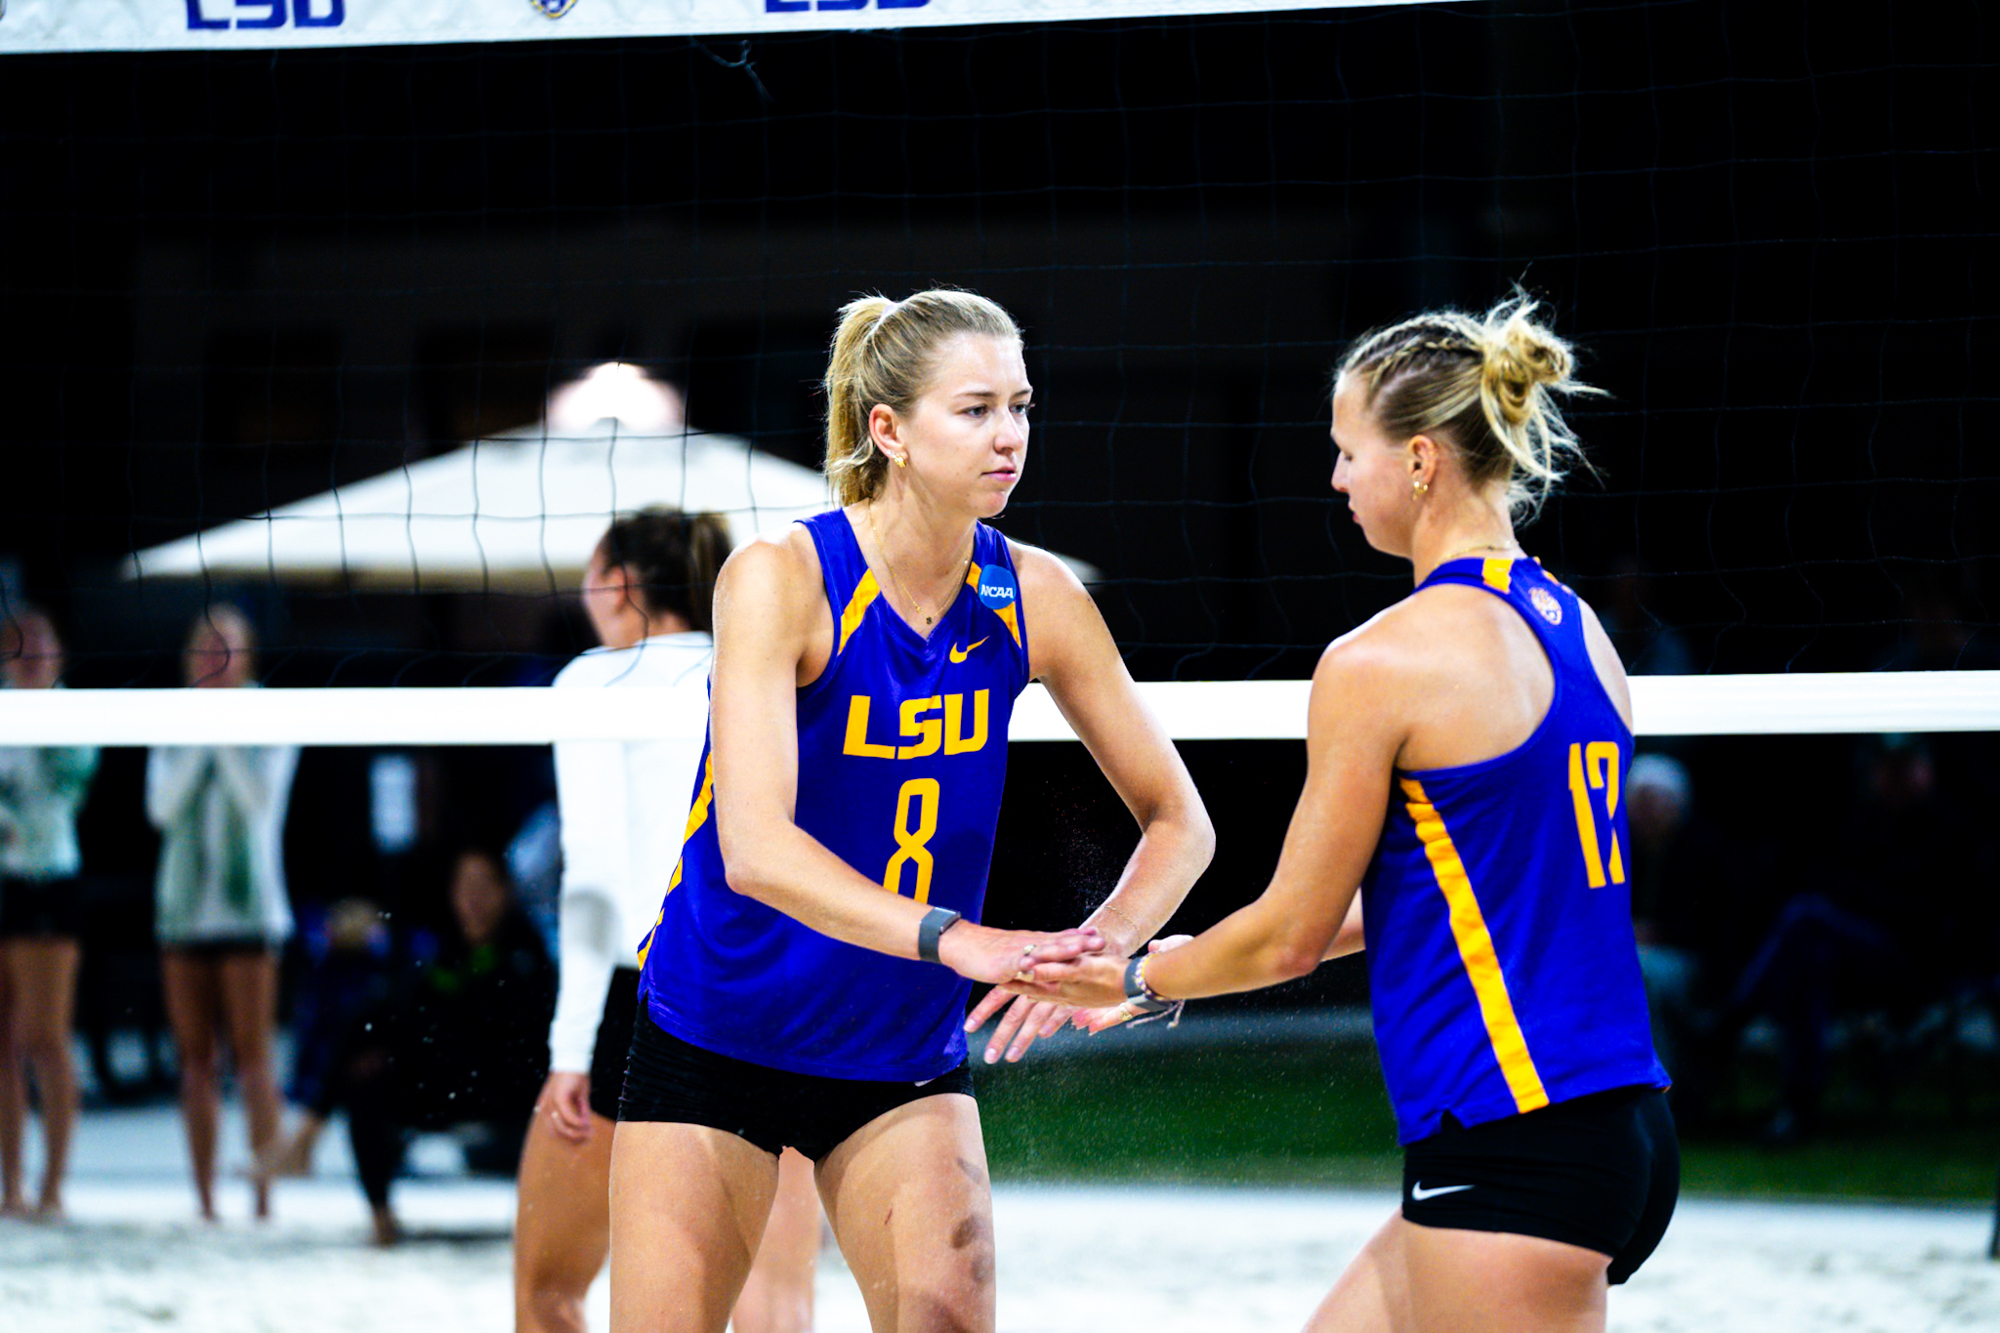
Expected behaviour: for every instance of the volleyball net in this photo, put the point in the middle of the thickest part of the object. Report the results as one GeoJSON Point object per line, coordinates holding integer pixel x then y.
{"type": "Point", "coordinates": [366, 318]}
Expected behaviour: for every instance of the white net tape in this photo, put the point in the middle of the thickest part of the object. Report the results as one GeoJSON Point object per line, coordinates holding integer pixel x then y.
{"type": "Point", "coordinates": [1743, 705]}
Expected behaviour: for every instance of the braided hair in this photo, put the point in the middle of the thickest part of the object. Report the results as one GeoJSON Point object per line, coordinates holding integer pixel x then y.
{"type": "Point", "coordinates": [1485, 387]}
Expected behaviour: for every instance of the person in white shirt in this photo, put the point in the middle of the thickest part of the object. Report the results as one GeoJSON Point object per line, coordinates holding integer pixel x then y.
{"type": "Point", "coordinates": [41, 922]}
{"type": "Point", "coordinates": [648, 593]}
{"type": "Point", "coordinates": [221, 911]}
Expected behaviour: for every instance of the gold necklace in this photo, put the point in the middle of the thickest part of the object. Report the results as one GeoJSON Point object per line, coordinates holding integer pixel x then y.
{"type": "Point", "coordinates": [897, 579]}
{"type": "Point", "coordinates": [1483, 546]}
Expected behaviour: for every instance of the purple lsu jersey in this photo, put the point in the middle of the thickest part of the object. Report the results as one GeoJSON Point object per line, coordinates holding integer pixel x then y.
{"type": "Point", "coordinates": [1501, 960]}
{"type": "Point", "coordinates": [902, 758]}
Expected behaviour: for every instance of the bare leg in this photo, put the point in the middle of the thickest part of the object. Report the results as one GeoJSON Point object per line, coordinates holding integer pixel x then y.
{"type": "Point", "coordinates": [688, 1205]}
{"type": "Point", "coordinates": [562, 1224]}
{"type": "Point", "coordinates": [13, 1106]}
{"type": "Point", "coordinates": [250, 1011]}
{"type": "Point", "coordinates": [912, 1208]}
{"type": "Point", "coordinates": [44, 977]}
{"type": "Point", "coordinates": [562, 1234]}
{"type": "Point", "coordinates": [194, 1004]}
{"type": "Point", "coordinates": [778, 1295]}
{"type": "Point", "coordinates": [1413, 1279]}
{"type": "Point", "coordinates": [1373, 1292]}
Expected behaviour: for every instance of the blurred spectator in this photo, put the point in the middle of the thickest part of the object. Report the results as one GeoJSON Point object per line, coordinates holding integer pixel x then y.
{"type": "Point", "coordinates": [535, 863]}
{"type": "Point", "coordinates": [1877, 941]}
{"type": "Point", "coordinates": [1936, 633]}
{"type": "Point", "coordinates": [455, 1042]}
{"type": "Point", "coordinates": [221, 908]}
{"type": "Point", "coordinates": [41, 791]}
{"type": "Point", "coordinates": [1682, 906]}
{"type": "Point", "coordinates": [350, 971]}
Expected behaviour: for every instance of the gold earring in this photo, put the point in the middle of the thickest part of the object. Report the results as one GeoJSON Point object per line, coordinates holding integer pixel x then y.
{"type": "Point", "coordinates": [1419, 486]}
{"type": "Point", "coordinates": [900, 460]}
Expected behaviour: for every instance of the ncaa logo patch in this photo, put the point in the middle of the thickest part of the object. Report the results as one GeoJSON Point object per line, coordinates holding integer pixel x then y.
{"type": "Point", "coordinates": [996, 588]}
{"type": "Point", "coordinates": [552, 9]}
{"type": "Point", "coordinates": [1544, 601]}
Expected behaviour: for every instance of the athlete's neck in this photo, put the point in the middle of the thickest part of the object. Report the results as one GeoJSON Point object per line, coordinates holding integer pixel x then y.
{"type": "Point", "coordinates": [923, 552]}
{"type": "Point", "coordinates": [1476, 526]}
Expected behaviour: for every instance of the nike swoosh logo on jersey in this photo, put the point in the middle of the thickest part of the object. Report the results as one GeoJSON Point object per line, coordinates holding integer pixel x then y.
{"type": "Point", "coordinates": [1418, 1193]}
{"type": "Point", "coordinates": [960, 654]}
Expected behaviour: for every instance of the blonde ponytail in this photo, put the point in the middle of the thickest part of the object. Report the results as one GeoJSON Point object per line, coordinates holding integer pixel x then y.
{"type": "Point", "coordinates": [882, 353]}
{"type": "Point", "coordinates": [1485, 387]}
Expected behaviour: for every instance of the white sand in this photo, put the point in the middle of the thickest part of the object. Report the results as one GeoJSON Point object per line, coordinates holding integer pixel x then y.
{"type": "Point", "coordinates": [131, 1258]}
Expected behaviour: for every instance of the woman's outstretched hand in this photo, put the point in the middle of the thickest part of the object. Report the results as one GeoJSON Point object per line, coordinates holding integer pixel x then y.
{"type": "Point", "coordinates": [1094, 985]}
{"type": "Point", "coordinates": [980, 953]}
{"type": "Point", "coordinates": [1007, 955]}
{"type": "Point", "coordinates": [1025, 1023]}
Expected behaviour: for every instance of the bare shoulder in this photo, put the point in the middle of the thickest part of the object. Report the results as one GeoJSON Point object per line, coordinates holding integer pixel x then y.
{"type": "Point", "coordinates": [775, 576]}
{"type": "Point", "coordinates": [1065, 632]}
{"type": "Point", "coordinates": [778, 562]}
{"type": "Point", "coordinates": [1045, 578]}
{"type": "Point", "coordinates": [1373, 674]}
{"type": "Point", "coordinates": [1411, 639]}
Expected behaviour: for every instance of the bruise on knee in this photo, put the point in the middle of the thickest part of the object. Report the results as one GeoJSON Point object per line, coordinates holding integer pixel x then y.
{"type": "Point", "coordinates": [975, 1233]}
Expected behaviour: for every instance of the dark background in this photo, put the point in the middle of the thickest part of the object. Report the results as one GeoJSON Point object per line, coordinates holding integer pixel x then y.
{"type": "Point", "coordinates": [230, 280]}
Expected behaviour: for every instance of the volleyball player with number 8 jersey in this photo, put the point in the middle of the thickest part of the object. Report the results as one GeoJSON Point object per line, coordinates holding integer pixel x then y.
{"type": "Point", "coordinates": [806, 982]}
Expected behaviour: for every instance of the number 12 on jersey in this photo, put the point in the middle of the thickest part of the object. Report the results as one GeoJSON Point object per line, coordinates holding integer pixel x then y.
{"type": "Point", "coordinates": [1594, 767]}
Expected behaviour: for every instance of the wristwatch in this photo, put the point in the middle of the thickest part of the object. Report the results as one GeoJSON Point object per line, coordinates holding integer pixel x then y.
{"type": "Point", "coordinates": [931, 929]}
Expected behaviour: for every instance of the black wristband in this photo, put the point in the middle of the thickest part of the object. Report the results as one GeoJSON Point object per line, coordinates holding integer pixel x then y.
{"type": "Point", "coordinates": [932, 928]}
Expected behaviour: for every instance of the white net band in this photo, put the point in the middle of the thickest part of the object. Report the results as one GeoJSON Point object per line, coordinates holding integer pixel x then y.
{"type": "Point", "coordinates": [230, 25]}
{"type": "Point", "coordinates": [1872, 702]}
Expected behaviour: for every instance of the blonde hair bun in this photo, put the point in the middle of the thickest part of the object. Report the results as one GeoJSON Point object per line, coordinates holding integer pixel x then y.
{"type": "Point", "coordinates": [1485, 386]}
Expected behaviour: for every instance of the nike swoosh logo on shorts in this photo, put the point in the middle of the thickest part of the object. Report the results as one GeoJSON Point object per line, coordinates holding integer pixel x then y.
{"type": "Point", "coordinates": [1418, 1193]}
{"type": "Point", "coordinates": [960, 654]}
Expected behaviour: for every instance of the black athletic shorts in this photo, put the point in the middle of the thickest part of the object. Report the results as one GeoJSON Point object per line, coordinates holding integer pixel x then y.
{"type": "Point", "coordinates": [220, 947]}
{"type": "Point", "coordinates": [669, 1080]}
{"type": "Point", "coordinates": [614, 1042]}
{"type": "Point", "coordinates": [41, 909]}
{"type": "Point", "coordinates": [1602, 1172]}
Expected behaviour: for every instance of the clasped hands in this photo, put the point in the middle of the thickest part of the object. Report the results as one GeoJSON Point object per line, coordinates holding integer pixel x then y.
{"type": "Point", "coordinates": [1071, 977]}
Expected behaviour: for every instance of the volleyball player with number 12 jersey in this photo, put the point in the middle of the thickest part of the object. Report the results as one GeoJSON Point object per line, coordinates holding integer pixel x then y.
{"type": "Point", "coordinates": [805, 985]}
{"type": "Point", "coordinates": [1465, 751]}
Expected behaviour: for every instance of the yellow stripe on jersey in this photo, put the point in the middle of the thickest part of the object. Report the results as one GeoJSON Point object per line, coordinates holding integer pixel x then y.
{"type": "Point", "coordinates": [697, 816]}
{"type": "Point", "coordinates": [1475, 944]}
{"type": "Point", "coordinates": [865, 593]}
{"type": "Point", "coordinates": [1498, 573]}
{"type": "Point", "coordinates": [1006, 613]}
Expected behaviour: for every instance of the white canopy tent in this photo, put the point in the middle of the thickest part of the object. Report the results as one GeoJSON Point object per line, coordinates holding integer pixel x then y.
{"type": "Point", "coordinates": [523, 509]}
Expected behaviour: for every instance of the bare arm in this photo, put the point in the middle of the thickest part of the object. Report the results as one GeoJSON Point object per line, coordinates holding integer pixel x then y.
{"type": "Point", "coordinates": [767, 611]}
{"type": "Point", "coordinates": [1308, 913]}
{"type": "Point", "coordinates": [1074, 656]}
{"type": "Point", "coordinates": [1072, 653]}
{"type": "Point", "coordinates": [1352, 937]}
